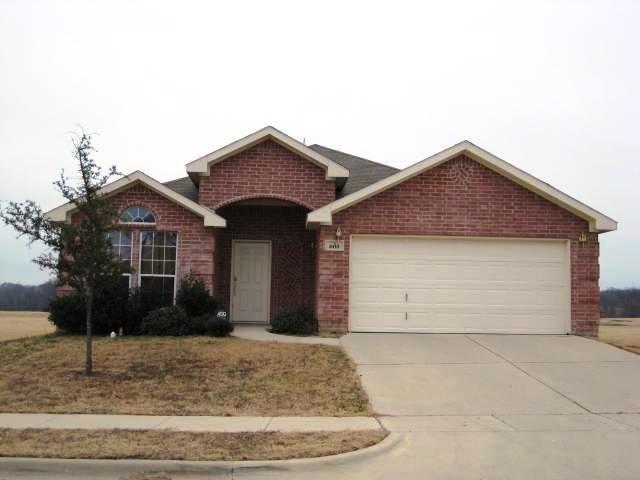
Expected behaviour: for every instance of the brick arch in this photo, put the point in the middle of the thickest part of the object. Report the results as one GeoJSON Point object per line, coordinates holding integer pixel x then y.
{"type": "Point", "coordinates": [285, 198]}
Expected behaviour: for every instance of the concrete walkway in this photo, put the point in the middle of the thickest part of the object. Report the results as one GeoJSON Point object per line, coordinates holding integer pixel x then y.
{"type": "Point", "coordinates": [260, 333]}
{"type": "Point", "coordinates": [186, 423]}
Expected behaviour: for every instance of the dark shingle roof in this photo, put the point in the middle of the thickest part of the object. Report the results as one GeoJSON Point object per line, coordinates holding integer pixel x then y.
{"type": "Point", "coordinates": [362, 172]}
{"type": "Point", "coordinates": [185, 187]}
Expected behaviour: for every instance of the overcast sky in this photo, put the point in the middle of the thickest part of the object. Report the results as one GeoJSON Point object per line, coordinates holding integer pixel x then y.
{"type": "Point", "coordinates": [551, 87]}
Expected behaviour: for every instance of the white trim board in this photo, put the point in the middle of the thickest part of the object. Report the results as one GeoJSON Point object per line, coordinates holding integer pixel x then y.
{"type": "Point", "coordinates": [211, 219]}
{"type": "Point", "coordinates": [598, 222]}
{"type": "Point", "coordinates": [201, 166]}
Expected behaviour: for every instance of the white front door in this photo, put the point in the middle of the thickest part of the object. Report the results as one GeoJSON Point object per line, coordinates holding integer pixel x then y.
{"type": "Point", "coordinates": [250, 281]}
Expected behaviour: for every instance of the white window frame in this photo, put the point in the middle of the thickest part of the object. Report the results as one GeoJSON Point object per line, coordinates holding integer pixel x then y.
{"type": "Point", "coordinates": [130, 259]}
{"type": "Point", "coordinates": [155, 219]}
{"type": "Point", "coordinates": [175, 273]}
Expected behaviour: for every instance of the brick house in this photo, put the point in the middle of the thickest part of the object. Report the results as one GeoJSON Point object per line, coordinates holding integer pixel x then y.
{"type": "Point", "coordinates": [460, 242]}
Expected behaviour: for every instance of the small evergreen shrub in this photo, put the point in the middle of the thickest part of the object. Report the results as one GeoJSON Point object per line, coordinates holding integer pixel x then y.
{"type": "Point", "coordinates": [194, 297]}
{"type": "Point", "coordinates": [166, 321]}
{"type": "Point", "coordinates": [68, 313]}
{"type": "Point", "coordinates": [210, 325]}
{"type": "Point", "coordinates": [110, 310]}
{"type": "Point", "coordinates": [293, 322]}
{"type": "Point", "coordinates": [140, 303]}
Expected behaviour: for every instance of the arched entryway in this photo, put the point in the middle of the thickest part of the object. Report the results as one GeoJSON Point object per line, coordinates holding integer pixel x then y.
{"type": "Point", "coordinates": [265, 260]}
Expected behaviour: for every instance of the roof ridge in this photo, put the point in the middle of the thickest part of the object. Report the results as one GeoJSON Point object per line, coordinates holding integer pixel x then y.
{"type": "Point", "coordinates": [355, 156]}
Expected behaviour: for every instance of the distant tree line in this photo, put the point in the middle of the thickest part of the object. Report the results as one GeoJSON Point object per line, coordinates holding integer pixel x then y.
{"type": "Point", "coordinates": [620, 302]}
{"type": "Point", "coordinates": [614, 302]}
{"type": "Point", "coordinates": [14, 296]}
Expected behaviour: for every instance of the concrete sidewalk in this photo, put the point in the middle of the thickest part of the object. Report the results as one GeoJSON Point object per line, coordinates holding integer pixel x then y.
{"type": "Point", "coordinates": [186, 423]}
{"type": "Point", "coordinates": [261, 334]}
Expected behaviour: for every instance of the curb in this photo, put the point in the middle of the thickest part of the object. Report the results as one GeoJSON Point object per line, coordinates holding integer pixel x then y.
{"type": "Point", "coordinates": [220, 467]}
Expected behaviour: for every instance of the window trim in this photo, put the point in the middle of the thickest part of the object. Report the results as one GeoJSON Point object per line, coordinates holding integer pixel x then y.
{"type": "Point", "coordinates": [131, 248]}
{"type": "Point", "coordinates": [175, 274]}
{"type": "Point", "coordinates": [155, 220]}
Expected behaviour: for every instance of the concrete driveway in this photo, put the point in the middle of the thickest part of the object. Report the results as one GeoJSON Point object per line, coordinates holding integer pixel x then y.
{"type": "Point", "coordinates": [494, 375]}
{"type": "Point", "coordinates": [503, 406]}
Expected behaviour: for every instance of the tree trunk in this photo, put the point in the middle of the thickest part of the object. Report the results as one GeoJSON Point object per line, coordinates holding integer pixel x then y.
{"type": "Point", "coordinates": [88, 369]}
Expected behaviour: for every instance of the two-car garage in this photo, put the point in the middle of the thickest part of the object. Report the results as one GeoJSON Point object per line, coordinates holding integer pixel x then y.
{"type": "Point", "coordinates": [449, 284]}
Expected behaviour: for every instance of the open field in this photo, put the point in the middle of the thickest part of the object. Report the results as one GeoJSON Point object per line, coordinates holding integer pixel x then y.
{"type": "Point", "coordinates": [24, 324]}
{"type": "Point", "coordinates": [167, 445]}
{"type": "Point", "coordinates": [179, 376]}
{"type": "Point", "coordinates": [621, 332]}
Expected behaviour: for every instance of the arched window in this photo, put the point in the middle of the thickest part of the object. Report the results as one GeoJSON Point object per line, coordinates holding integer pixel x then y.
{"type": "Point", "coordinates": [137, 215]}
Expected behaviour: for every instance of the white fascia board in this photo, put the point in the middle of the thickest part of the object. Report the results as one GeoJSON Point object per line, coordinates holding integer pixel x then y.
{"type": "Point", "coordinates": [211, 219]}
{"type": "Point", "coordinates": [598, 222]}
{"type": "Point", "coordinates": [201, 166]}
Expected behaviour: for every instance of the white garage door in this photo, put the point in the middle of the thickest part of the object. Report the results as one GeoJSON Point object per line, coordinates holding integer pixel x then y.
{"type": "Point", "coordinates": [417, 284]}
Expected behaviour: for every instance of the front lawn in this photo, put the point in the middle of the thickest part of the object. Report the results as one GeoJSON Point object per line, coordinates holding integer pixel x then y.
{"type": "Point", "coordinates": [178, 376]}
{"type": "Point", "coordinates": [166, 445]}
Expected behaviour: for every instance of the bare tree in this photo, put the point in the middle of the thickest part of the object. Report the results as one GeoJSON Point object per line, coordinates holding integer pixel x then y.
{"type": "Point", "coordinates": [79, 252]}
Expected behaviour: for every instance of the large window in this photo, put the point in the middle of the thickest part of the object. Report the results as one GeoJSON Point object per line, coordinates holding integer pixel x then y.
{"type": "Point", "coordinates": [121, 245]}
{"type": "Point", "coordinates": [158, 265]}
{"type": "Point", "coordinates": [137, 215]}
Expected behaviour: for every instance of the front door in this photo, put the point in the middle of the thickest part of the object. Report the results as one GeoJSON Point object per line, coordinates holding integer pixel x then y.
{"type": "Point", "coordinates": [250, 281]}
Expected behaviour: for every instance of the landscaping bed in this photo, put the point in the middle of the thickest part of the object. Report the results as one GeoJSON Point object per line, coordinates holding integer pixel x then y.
{"type": "Point", "coordinates": [167, 445]}
{"type": "Point", "coordinates": [179, 376]}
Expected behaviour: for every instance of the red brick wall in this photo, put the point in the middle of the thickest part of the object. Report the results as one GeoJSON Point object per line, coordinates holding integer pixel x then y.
{"type": "Point", "coordinates": [195, 242]}
{"type": "Point", "coordinates": [266, 170]}
{"type": "Point", "coordinates": [292, 253]}
{"type": "Point", "coordinates": [463, 198]}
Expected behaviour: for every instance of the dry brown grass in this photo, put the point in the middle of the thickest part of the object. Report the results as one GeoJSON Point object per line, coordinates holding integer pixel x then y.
{"type": "Point", "coordinates": [621, 332]}
{"type": "Point", "coordinates": [164, 445]}
{"type": "Point", "coordinates": [24, 324]}
{"type": "Point", "coordinates": [173, 376]}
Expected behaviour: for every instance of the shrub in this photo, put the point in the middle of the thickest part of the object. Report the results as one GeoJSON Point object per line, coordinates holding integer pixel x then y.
{"type": "Point", "coordinates": [114, 308]}
{"type": "Point", "coordinates": [68, 313]}
{"type": "Point", "coordinates": [109, 310]}
{"type": "Point", "coordinates": [210, 325]}
{"type": "Point", "coordinates": [139, 305]}
{"type": "Point", "coordinates": [194, 297]}
{"type": "Point", "coordinates": [166, 321]}
{"type": "Point", "coordinates": [294, 322]}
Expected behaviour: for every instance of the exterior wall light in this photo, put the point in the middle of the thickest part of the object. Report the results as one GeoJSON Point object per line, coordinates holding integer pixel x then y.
{"type": "Point", "coordinates": [338, 232]}
{"type": "Point", "coordinates": [582, 238]}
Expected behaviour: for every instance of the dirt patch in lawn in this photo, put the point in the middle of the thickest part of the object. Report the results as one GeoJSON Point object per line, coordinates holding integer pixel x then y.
{"type": "Point", "coordinates": [166, 445]}
{"type": "Point", "coordinates": [179, 376]}
{"type": "Point", "coordinates": [621, 332]}
{"type": "Point", "coordinates": [24, 324]}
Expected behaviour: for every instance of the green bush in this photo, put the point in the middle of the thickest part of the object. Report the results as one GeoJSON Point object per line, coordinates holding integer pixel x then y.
{"type": "Point", "coordinates": [109, 313]}
{"type": "Point", "coordinates": [294, 322]}
{"type": "Point", "coordinates": [114, 307]}
{"type": "Point", "coordinates": [194, 297]}
{"type": "Point", "coordinates": [210, 325]}
{"type": "Point", "coordinates": [166, 321]}
{"type": "Point", "coordinates": [139, 305]}
{"type": "Point", "coordinates": [68, 313]}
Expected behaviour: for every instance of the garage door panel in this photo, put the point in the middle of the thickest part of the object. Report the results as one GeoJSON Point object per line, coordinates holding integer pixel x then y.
{"type": "Point", "coordinates": [458, 285]}
{"type": "Point", "coordinates": [376, 295]}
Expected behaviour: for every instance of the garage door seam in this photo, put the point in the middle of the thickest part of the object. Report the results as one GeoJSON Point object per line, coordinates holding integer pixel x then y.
{"type": "Point", "coordinates": [530, 376]}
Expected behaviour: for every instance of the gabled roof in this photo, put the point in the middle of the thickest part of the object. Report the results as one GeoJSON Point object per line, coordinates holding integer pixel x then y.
{"type": "Point", "coordinates": [211, 219]}
{"type": "Point", "coordinates": [362, 172]}
{"type": "Point", "coordinates": [334, 171]}
{"type": "Point", "coordinates": [598, 222]}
